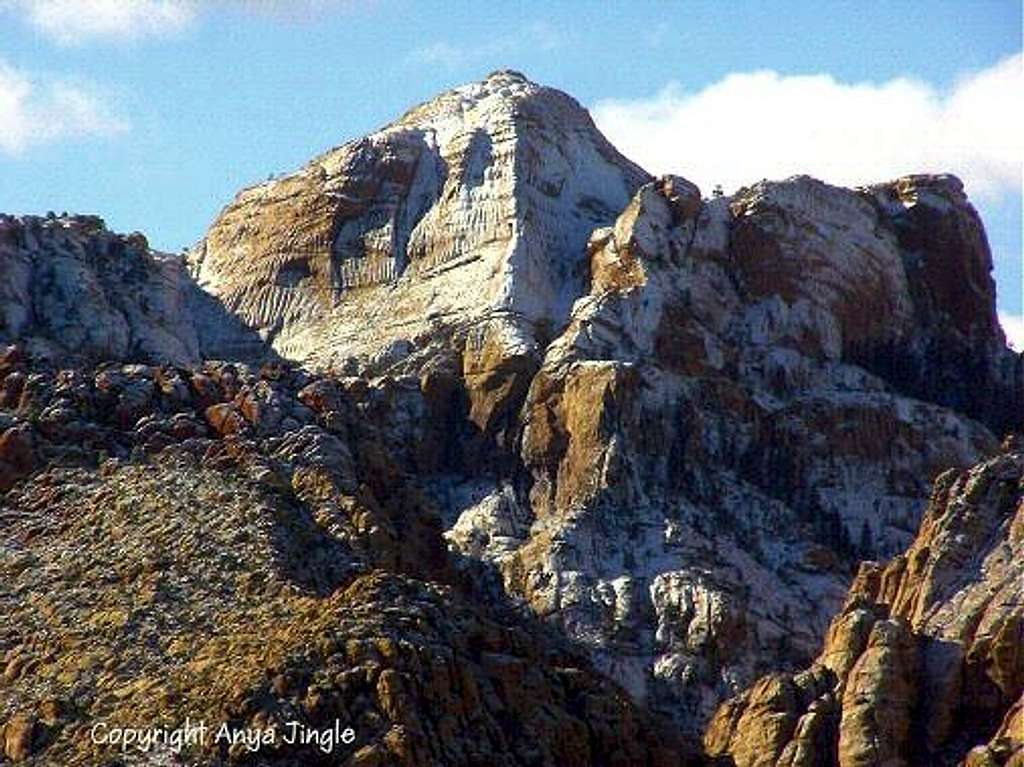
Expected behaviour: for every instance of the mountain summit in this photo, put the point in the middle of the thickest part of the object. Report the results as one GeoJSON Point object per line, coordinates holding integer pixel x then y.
{"type": "Point", "coordinates": [475, 205]}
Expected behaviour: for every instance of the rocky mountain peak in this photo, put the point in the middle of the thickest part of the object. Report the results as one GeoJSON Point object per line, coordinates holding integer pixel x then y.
{"type": "Point", "coordinates": [475, 205]}
{"type": "Point", "coordinates": [502, 90]}
{"type": "Point", "coordinates": [502, 95]}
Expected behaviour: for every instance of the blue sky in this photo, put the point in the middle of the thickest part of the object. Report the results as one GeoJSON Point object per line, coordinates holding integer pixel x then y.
{"type": "Point", "coordinates": [153, 113]}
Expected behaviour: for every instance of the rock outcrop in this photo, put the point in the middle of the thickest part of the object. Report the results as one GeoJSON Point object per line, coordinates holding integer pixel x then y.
{"type": "Point", "coordinates": [707, 455]}
{"type": "Point", "coordinates": [954, 324]}
{"type": "Point", "coordinates": [72, 290]}
{"type": "Point", "coordinates": [471, 210]}
{"type": "Point", "coordinates": [924, 665]}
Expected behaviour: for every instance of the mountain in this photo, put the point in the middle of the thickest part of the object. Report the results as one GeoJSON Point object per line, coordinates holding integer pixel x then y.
{"type": "Point", "coordinates": [469, 212]}
{"type": "Point", "coordinates": [707, 456]}
{"type": "Point", "coordinates": [476, 406]}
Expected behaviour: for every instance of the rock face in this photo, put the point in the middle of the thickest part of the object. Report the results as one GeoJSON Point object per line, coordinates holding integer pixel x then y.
{"type": "Point", "coordinates": [954, 326]}
{"type": "Point", "coordinates": [620, 432]}
{"type": "Point", "coordinates": [471, 211]}
{"type": "Point", "coordinates": [287, 570]}
{"type": "Point", "coordinates": [70, 289]}
{"type": "Point", "coordinates": [924, 665]}
{"type": "Point", "coordinates": [707, 452]}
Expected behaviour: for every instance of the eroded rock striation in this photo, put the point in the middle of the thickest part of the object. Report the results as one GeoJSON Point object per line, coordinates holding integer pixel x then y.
{"type": "Point", "coordinates": [467, 216]}
{"type": "Point", "coordinates": [925, 662]}
{"type": "Point", "coordinates": [482, 375]}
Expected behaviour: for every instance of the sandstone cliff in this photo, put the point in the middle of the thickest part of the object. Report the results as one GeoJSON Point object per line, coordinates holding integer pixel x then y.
{"type": "Point", "coordinates": [470, 211]}
{"type": "Point", "coordinates": [707, 451]}
{"type": "Point", "coordinates": [788, 368]}
{"type": "Point", "coordinates": [924, 665]}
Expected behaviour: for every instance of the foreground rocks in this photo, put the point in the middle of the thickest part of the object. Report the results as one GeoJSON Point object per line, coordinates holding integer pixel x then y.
{"type": "Point", "coordinates": [260, 575]}
{"type": "Point", "coordinates": [924, 665]}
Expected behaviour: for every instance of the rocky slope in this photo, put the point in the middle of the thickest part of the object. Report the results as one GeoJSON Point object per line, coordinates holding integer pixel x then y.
{"type": "Point", "coordinates": [249, 547]}
{"type": "Point", "coordinates": [653, 432]}
{"type": "Point", "coordinates": [925, 662]}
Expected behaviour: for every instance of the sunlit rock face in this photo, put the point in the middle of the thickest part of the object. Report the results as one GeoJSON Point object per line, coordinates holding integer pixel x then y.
{"type": "Point", "coordinates": [668, 427]}
{"type": "Point", "coordinates": [475, 206]}
{"type": "Point", "coordinates": [72, 290]}
{"type": "Point", "coordinates": [923, 665]}
{"type": "Point", "coordinates": [708, 459]}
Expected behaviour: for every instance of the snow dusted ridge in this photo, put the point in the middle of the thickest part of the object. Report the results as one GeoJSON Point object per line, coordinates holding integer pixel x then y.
{"type": "Point", "coordinates": [477, 204]}
{"type": "Point", "coordinates": [668, 426]}
{"type": "Point", "coordinates": [70, 289]}
{"type": "Point", "coordinates": [924, 658]}
{"type": "Point", "coordinates": [742, 407]}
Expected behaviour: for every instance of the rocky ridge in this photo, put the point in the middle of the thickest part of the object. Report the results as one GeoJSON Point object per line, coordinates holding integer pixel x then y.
{"type": "Point", "coordinates": [666, 426]}
{"type": "Point", "coordinates": [705, 450]}
{"type": "Point", "coordinates": [71, 290]}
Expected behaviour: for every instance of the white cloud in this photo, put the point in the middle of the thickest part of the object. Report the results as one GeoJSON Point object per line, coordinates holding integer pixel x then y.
{"type": "Point", "coordinates": [35, 110]}
{"type": "Point", "coordinates": [70, 22]}
{"type": "Point", "coordinates": [763, 124]}
{"type": "Point", "coordinates": [1013, 327]}
{"type": "Point", "coordinates": [534, 37]}
{"type": "Point", "coordinates": [442, 54]}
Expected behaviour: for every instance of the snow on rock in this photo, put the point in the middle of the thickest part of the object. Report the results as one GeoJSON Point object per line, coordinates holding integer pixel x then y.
{"type": "Point", "coordinates": [922, 665]}
{"type": "Point", "coordinates": [707, 459]}
{"type": "Point", "coordinates": [474, 205]}
{"type": "Point", "coordinates": [667, 426]}
{"type": "Point", "coordinates": [72, 290]}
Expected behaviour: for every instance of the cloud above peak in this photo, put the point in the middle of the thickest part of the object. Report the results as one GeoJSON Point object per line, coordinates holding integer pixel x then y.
{"type": "Point", "coordinates": [763, 124]}
{"type": "Point", "coordinates": [70, 22]}
{"type": "Point", "coordinates": [75, 22]}
{"type": "Point", "coordinates": [1013, 327]}
{"type": "Point", "coordinates": [37, 110]}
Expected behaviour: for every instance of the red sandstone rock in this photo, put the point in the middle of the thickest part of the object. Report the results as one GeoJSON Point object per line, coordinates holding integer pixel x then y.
{"type": "Point", "coordinates": [225, 419]}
